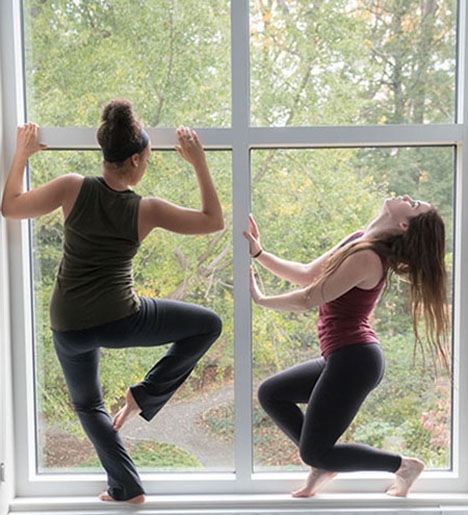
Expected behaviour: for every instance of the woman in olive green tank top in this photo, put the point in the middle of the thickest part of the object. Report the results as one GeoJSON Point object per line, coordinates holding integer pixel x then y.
{"type": "Point", "coordinates": [94, 303]}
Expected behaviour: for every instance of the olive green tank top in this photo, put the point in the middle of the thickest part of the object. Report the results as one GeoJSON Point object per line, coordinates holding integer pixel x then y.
{"type": "Point", "coordinates": [95, 279]}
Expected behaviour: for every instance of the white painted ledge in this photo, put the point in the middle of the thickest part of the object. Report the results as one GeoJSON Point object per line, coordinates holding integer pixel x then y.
{"type": "Point", "coordinates": [329, 504]}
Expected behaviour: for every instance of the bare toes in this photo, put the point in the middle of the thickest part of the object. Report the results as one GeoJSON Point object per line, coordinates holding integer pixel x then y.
{"type": "Point", "coordinates": [104, 496]}
{"type": "Point", "coordinates": [139, 499]}
{"type": "Point", "coordinates": [302, 493]}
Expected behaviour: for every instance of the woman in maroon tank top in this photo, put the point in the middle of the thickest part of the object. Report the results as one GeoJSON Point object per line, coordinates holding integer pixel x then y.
{"type": "Point", "coordinates": [345, 283]}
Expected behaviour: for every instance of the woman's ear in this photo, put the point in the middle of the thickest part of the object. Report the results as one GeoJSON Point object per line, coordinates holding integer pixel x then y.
{"type": "Point", "coordinates": [404, 226]}
{"type": "Point", "coordinates": [135, 160]}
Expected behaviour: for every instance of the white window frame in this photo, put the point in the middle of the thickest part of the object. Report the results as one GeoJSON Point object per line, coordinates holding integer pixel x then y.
{"type": "Point", "coordinates": [240, 139]}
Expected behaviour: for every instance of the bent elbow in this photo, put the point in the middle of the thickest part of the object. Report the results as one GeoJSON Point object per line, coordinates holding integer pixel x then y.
{"type": "Point", "coordinates": [219, 226]}
{"type": "Point", "coordinates": [9, 208]}
{"type": "Point", "coordinates": [9, 213]}
{"type": "Point", "coordinates": [215, 224]}
{"type": "Point", "coordinates": [5, 211]}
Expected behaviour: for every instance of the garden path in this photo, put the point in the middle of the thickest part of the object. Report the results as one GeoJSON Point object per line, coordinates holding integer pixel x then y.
{"type": "Point", "coordinates": [177, 423]}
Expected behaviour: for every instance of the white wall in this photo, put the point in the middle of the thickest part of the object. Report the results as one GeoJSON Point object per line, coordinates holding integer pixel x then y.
{"type": "Point", "coordinates": [6, 413]}
{"type": "Point", "coordinates": [7, 138]}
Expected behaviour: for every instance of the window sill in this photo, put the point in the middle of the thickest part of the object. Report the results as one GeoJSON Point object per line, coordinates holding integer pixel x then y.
{"type": "Point", "coordinates": [268, 504]}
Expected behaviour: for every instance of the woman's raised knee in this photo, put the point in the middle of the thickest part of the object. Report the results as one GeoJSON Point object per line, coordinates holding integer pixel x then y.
{"type": "Point", "coordinates": [266, 392]}
{"type": "Point", "coordinates": [212, 324]}
{"type": "Point", "coordinates": [217, 324]}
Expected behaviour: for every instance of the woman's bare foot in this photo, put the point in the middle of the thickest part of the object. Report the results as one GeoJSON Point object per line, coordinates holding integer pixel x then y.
{"type": "Point", "coordinates": [129, 411]}
{"type": "Point", "coordinates": [315, 481]}
{"type": "Point", "coordinates": [406, 475]}
{"type": "Point", "coordinates": [139, 499]}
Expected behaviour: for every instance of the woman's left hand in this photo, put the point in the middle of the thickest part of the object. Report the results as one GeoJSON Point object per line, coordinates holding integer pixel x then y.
{"type": "Point", "coordinates": [255, 292]}
{"type": "Point", "coordinates": [189, 146]}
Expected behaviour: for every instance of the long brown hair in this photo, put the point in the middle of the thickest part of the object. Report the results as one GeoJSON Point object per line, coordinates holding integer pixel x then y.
{"type": "Point", "coordinates": [418, 255]}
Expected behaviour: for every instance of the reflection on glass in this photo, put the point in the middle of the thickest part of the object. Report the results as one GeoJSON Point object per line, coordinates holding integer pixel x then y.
{"type": "Point", "coordinates": [344, 62]}
{"type": "Point", "coordinates": [190, 433]}
{"type": "Point", "coordinates": [305, 202]}
{"type": "Point", "coordinates": [171, 59]}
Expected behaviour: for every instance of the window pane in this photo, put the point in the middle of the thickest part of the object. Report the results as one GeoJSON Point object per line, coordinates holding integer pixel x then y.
{"type": "Point", "coordinates": [344, 62]}
{"type": "Point", "coordinates": [305, 202]}
{"type": "Point", "coordinates": [190, 433]}
{"type": "Point", "coordinates": [172, 59]}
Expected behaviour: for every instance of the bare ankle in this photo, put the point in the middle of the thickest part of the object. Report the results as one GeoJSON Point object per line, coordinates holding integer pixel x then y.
{"type": "Point", "coordinates": [410, 469]}
{"type": "Point", "coordinates": [316, 480]}
{"type": "Point", "coordinates": [129, 411]}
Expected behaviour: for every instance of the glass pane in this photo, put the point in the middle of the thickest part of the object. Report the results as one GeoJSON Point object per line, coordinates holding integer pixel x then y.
{"type": "Point", "coordinates": [340, 62]}
{"type": "Point", "coordinates": [305, 202]}
{"type": "Point", "coordinates": [170, 58]}
{"type": "Point", "coordinates": [188, 434]}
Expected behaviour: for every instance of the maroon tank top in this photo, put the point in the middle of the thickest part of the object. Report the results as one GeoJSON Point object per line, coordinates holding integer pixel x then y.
{"type": "Point", "coordinates": [345, 320]}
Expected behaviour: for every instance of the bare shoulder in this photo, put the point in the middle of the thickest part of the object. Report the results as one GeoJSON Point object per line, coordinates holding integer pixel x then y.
{"type": "Point", "coordinates": [69, 180]}
{"type": "Point", "coordinates": [149, 215]}
{"type": "Point", "coordinates": [368, 265]}
{"type": "Point", "coordinates": [150, 206]}
{"type": "Point", "coordinates": [70, 184]}
{"type": "Point", "coordinates": [365, 258]}
{"type": "Point", "coordinates": [72, 179]}
{"type": "Point", "coordinates": [156, 211]}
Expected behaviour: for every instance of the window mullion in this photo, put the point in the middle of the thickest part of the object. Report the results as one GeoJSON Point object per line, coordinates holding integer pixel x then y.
{"type": "Point", "coordinates": [241, 207]}
{"type": "Point", "coordinates": [13, 114]}
{"type": "Point", "coordinates": [355, 136]}
{"type": "Point", "coordinates": [84, 138]}
{"type": "Point", "coordinates": [460, 322]}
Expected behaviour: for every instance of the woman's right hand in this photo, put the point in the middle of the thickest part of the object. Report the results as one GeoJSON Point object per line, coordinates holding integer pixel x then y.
{"type": "Point", "coordinates": [253, 237]}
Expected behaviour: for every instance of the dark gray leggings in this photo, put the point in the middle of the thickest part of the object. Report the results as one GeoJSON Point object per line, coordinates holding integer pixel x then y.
{"type": "Point", "coordinates": [191, 329]}
{"type": "Point", "coordinates": [333, 389]}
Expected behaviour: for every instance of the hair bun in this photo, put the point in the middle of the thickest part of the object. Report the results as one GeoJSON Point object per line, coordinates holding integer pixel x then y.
{"type": "Point", "coordinates": [119, 112]}
{"type": "Point", "coordinates": [120, 129]}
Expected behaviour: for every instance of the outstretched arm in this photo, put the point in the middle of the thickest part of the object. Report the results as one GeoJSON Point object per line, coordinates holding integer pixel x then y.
{"type": "Point", "coordinates": [362, 269]}
{"type": "Point", "coordinates": [18, 203]}
{"type": "Point", "coordinates": [157, 212]}
{"type": "Point", "coordinates": [292, 271]}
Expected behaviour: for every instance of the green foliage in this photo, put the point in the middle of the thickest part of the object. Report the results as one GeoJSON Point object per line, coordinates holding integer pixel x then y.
{"type": "Point", "coordinates": [172, 62]}
{"type": "Point", "coordinates": [336, 62]}
{"type": "Point", "coordinates": [157, 455]}
{"type": "Point", "coordinates": [164, 456]}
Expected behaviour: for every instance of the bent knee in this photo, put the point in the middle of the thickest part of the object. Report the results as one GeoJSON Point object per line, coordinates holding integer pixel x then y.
{"type": "Point", "coordinates": [313, 456]}
{"type": "Point", "coordinates": [267, 392]}
{"type": "Point", "coordinates": [213, 324]}
{"type": "Point", "coordinates": [88, 405]}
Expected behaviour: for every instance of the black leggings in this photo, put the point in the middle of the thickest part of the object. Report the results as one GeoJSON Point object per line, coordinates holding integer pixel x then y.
{"type": "Point", "coordinates": [333, 389]}
{"type": "Point", "coordinates": [191, 329]}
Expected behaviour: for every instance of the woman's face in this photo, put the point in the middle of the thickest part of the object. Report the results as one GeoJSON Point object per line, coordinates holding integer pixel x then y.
{"type": "Point", "coordinates": [402, 208]}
